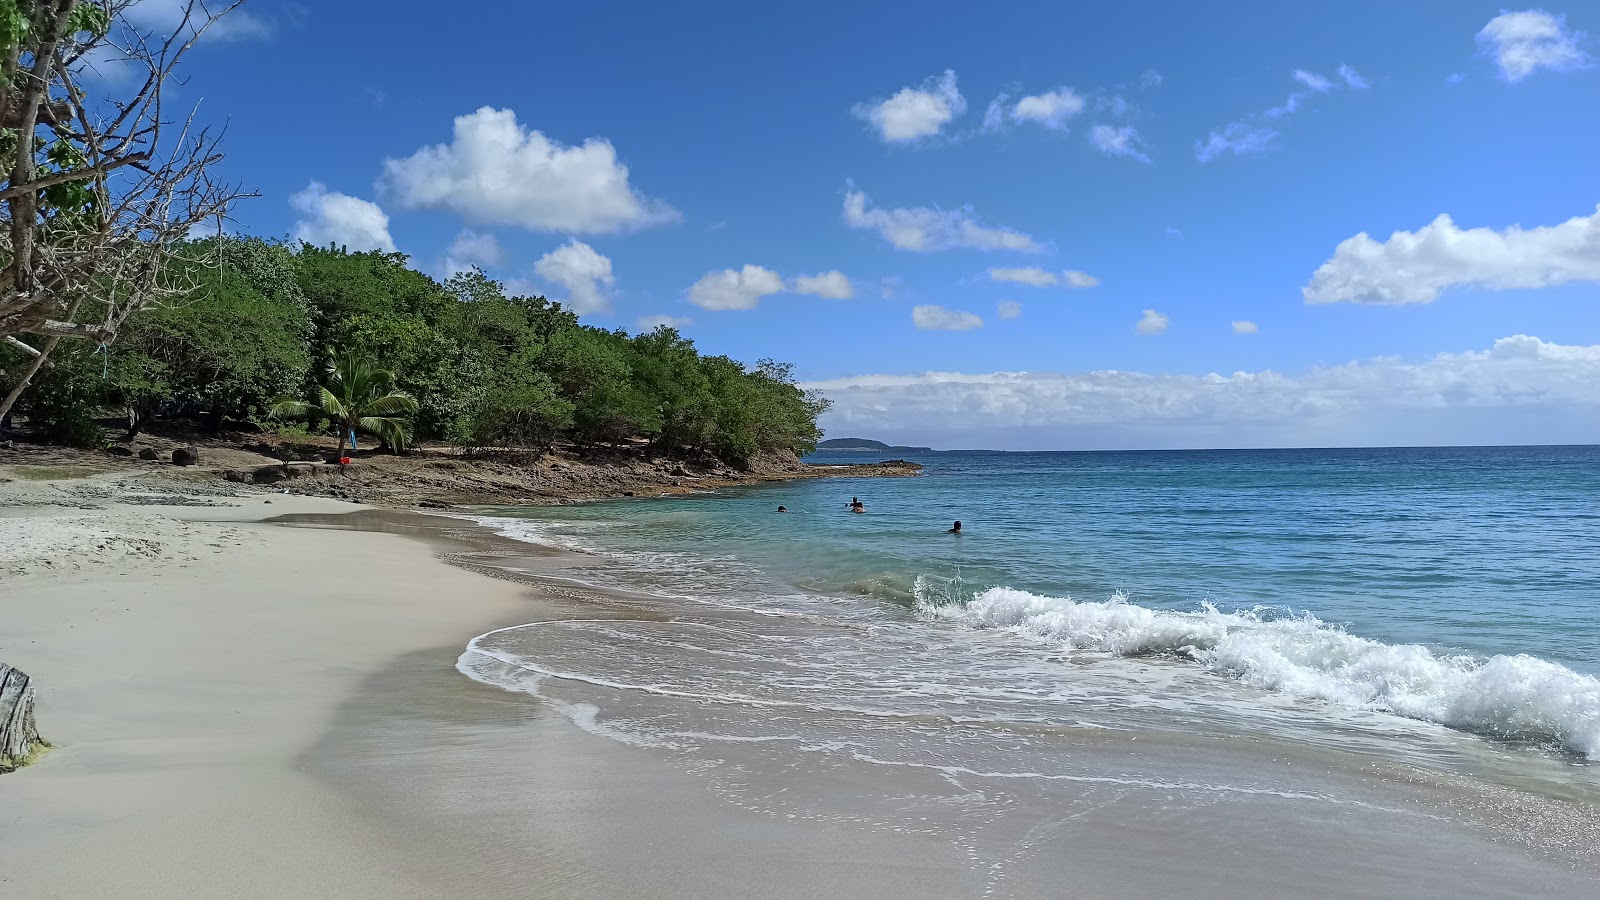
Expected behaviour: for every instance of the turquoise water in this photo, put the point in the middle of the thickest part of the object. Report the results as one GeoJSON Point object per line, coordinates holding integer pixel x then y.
{"type": "Point", "coordinates": [1459, 587]}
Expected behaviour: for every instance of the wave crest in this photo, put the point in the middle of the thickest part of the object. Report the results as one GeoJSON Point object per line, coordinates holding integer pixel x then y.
{"type": "Point", "coordinates": [1519, 698]}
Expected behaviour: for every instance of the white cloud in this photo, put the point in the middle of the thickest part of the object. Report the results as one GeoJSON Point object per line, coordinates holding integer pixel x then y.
{"type": "Point", "coordinates": [924, 230]}
{"type": "Point", "coordinates": [1352, 78]}
{"type": "Point", "coordinates": [994, 118]}
{"type": "Point", "coordinates": [478, 248]}
{"type": "Point", "coordinates": [1037, 277]}
{"type": "Point", "coordinates": [1526, 41]}
{"type": "Point", "coordinates": [1237, 138]}
{"type": "Point", "coordinates": [1114, 141]}
{"type": "Point", "coordinates": [917, 112]}
{"type": "Point", "coordinates": [1149, 79]}
{"type": "Point", "coordinates": [936, 318]}
{"type": "Point", "coordinates": [340, 219]}
{"type": "Point", "coordinates": [472, 248]}
{"type": "Point", "coordinates": [1052, 109]}
{"type": "Point", "coordinates": [585, 274]}
{"type": "Point", "coordinates": [734, 288]}
{"type": "Point", "coordinates": [645, 324]}
{"type": "Point", "coordinates": [1414, 267]}
{"type": "Point", "coordinates": [832, 285]}
{"type": "Point", "coordinates": [497, 172]}
{"type": "Point", "coordinates": [1025, 275]}
{"type": "Point", "coordinates": [1520, 390]}
{"type": "Point", "coordinates": [1244, 326]}
{"type": "Point", "coordinates": [1008, 309]}
{"type": "Point", "coordinates": [1151, 323]}
{"type": "Point", "coordinates": [164, 17]}
{"type": "Point", "coordinates": [1248, 136]}
{"type": "Point", "coordinates": [1313, 81]}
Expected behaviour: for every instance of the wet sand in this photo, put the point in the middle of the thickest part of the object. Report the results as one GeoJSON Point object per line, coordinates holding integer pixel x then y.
{"type": "Point", "coordinates": [268, 711]}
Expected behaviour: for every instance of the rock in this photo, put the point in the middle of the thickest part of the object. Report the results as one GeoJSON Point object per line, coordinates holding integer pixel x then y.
{"type": "Point", "coordinates": [237, 477]}
{"type": "Point", "coordinates": [119, 450]}
{"type": "Point", "coordinates": [679, 472]}
{"type": "Point", "coordinates": [268, 475]}
{"type": "Point", "coordinates": [185, 456]}
{"type": "Point", "coordinates": [149, 453]}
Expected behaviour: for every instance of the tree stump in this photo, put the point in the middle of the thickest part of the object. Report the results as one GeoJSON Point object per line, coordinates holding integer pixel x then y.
{"type": "Point", "coordinates": [19, 734]}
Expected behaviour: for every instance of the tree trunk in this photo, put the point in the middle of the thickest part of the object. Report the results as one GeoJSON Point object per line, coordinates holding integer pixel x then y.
{"type": "Point", "coordinates": [19, 735]}
{"type": "Point", "coordinates": [27, 377]}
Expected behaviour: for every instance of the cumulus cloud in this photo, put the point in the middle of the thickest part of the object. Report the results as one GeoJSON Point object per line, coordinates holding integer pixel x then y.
{"type": "Point", "coordinates": [329, 217]}
{"type": "Point", "coordinates": [645, 324]}
{"type": "Point", "coordinates": [471, 248]}
{"type": "Point", "coordinates": [929, 317]}
{"type": "Point", "coordinates": [923, 229]}
{"type": "Point", "coordinates": [1051, 109]}
{"type": "Point", "coordinates": [1244, 326]}
{"type": "Point", "coordinates": [585, 274]}
{"type": "Point", "coordinates": [497, 172]}
{"type": "Point", "coordinates": [1008, 309]}
{"type": "Point", "coordinates": [1528, 40]}
{"type": "Point", "coordinates": [734, 288]}
{"type": "Point", "coordinates": [915, 112]}
{"type": "Point", "coordinates": [1114, 141]}
{"type": "Point", "coordinates": [832, 285]}
{"type": "Point", "coordinates": [164, 17]}
{"type": "Point", "coordinates": [1151, 323]}
{"type": "Point", "coordinates": [1522, 389]}
{"type": "Point", "coordinates": [1077, 279]}
{"type": "Point", "coordinates": [1415, 267]}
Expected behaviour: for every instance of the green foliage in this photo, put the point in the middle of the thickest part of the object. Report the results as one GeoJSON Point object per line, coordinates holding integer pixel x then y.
{"type": "Point", "coordinates": [357, 396]}
{"type": "Point", "coordinates": [414, 359]}
{"type": "Point", "coordinates": [240, 339]}
{"type": "Point", "coordinates": [63, 404]}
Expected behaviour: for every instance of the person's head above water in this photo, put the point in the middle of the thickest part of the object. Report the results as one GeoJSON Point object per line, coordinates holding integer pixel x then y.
{"type": "Point", "coordinates": [783, 509]}
{"type": "Point", "coordinates": [955, 529]}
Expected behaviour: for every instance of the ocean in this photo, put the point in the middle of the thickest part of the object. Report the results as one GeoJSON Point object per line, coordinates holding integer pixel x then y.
{"type": "Point", "coordinates": [1296, 631]}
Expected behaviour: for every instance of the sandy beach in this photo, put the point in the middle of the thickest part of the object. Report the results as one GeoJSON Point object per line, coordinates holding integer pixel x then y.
{"type": "Point", "coordinates": [252, 709]}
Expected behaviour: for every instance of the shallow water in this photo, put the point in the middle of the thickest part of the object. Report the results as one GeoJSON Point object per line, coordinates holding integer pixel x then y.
{"type": "Point", "coordinates": [1403, 636]}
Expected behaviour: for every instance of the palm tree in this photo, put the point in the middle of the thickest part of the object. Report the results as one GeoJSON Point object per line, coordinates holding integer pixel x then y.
{"type": "Point", "coordinates": [358, 395]}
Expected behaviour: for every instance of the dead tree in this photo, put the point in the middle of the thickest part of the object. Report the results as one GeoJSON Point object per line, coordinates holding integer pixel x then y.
{"type": "Point", "coordinates": [102, 184]}
{"type": "Point", "coordinates": [19, 736]}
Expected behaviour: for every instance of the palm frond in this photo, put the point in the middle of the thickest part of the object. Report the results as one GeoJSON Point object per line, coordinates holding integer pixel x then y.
{"type": "Point", "coordinates": [331, 405]}
{"type": "Point", "coordinates": [389, 405]}
{"type": "Point", "coordinates": [391, 430]}
{"type": "Point", "coordinates": [289, 408]}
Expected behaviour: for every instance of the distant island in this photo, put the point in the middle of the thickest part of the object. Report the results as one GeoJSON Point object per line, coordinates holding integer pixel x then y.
{"type": "Point", "coordinates": [864, 444]}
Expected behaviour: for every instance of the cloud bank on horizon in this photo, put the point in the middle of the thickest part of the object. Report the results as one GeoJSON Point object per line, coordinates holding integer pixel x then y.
{"type": "Point", "coordinates": [1463, 396]}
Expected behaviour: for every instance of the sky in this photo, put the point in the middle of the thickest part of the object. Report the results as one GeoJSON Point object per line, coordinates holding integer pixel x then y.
{"type": "Point", "coordinates": [1013, 226]}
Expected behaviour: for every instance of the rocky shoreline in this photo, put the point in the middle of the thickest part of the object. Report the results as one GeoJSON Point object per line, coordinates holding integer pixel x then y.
{"type": "Point", "coordinates": [430, 477]}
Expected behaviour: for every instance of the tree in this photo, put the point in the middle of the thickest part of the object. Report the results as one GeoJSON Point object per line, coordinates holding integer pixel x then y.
{"type": "Point", "coordinates": [101, 184]}
{"type": "Point", "coordinates": [358, 396]}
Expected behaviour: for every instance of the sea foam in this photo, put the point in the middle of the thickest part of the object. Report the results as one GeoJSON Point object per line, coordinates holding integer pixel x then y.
{"type": "Point", "coordinates": [1519, 698]}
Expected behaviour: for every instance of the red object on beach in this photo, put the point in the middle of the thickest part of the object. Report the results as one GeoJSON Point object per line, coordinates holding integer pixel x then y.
{"type": "Point", "coordinates": [344, 460]}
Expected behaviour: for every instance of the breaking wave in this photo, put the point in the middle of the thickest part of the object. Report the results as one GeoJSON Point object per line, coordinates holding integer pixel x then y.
{"type": "Point", "coordinates": [1517, 698]}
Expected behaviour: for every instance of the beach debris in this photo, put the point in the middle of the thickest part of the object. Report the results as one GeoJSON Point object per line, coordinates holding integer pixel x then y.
{"type": "Point", "coordinates": [19, 734]}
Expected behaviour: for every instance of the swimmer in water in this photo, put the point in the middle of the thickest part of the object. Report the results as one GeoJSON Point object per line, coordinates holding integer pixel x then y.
{"type": "Point", "coordinates": [856, 506]}
{"type": "Point", "coordinates": [954, 529]}
{"type": "Point", "coordinates": [783, 509]}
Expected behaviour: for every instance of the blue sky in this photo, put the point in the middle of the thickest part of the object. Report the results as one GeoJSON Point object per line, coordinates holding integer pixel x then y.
{"type": "Point", "coordinates": [624, 155]}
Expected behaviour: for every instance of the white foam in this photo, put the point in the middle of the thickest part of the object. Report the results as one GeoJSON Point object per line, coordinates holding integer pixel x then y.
{"type": "Point", "coordinates": [1512, 697]}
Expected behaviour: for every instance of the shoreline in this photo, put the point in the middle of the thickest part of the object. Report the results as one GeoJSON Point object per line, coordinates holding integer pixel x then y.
{"type": "Point", "coordinates": [294, 694]}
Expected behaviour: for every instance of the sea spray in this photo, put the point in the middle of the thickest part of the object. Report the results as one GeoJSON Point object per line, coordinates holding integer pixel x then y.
{"type": "Point", "coordinates": [1516, 697]}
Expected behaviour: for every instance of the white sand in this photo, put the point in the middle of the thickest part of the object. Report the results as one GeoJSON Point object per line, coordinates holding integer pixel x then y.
{"type": "Point", "coordinates": [183, 667]}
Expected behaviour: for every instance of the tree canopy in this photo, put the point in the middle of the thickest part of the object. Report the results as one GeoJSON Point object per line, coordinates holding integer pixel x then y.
{"type": "Point", "coordinates": [484, 370]}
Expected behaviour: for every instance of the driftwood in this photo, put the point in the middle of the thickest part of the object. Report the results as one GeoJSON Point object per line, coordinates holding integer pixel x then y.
{"type": "Point", "coordinates": [19, 735]}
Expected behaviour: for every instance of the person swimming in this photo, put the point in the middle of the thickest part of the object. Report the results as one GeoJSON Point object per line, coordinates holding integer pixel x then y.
{"type": "Point", "coordinates": [954, 529]}
{"type": "Point", "coordinates": [783, 509]}
{"type": "Point", "coordinates": [856, 506]}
